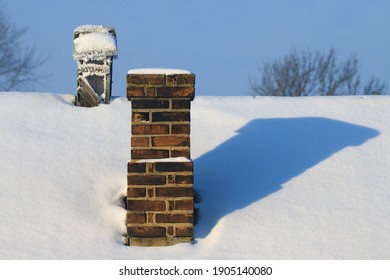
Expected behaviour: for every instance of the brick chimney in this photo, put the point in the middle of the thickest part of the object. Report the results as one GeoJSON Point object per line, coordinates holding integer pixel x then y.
{"type": "Point", "coordinates": [160, 194]}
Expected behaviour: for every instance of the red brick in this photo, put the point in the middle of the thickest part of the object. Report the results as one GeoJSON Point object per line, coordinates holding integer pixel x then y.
{"type": "Point", "coordinates": [136, 218]}
{"type": "Point", "coordinates": [146, 79]}
{"type": "Point", "coordinates": [170, 230]}
{"type": "Point", "coordinates": [145, 205]}
{"type": "Point", "coordinates": [187, 204]}
{"type": "Point", "coordinates": [155, 129]}
{"type": "Point", "coordinates": [150, 218]}
{"type": "Point", "coordinates": [144, 231]}
{"type": "Point", "coordinates": [184, 231]}
{"type": "Point", "coordinates": [149, 154]}
{"type": "Point", "coordinates": [181, 104]}
{"type": "Point", "coordinates": [184, 179]}
{"type": "Point", "coordinates": [140, 141]}
{"type": "Point", "coordinates": [149, 104]}
{"type": "Point", "coordinates": [170, 116]}
{"type": "Point", "coordinates": [175, 192]}
{"type": "Point", "coordinates": [151, 193]}
{"type": "Point", "coordinates": [171, 205]}
{"type": "Point", "coordinates": [181, 129]}
{"type": "Point", "coordinates": [174, 166]}
{"type": "Point", "coordinates": [136, 167]}
{"type": "Point", "coordinates": [151, 92]}
{"type": "Point", "coordinates": [174, 218]}
{"type": "Point", "coordinates": [181, 153]}
{"type": "Point", "coordinates": [135, 92]}
{"type": "Point", "coordinates": [171, 179]}
{"type": "Point", "coordinates": [146, 179]}
{"type": "Point", "coordinates": [185, 79]}
{"type": "Point", "coordinates": [149, 166]}
{"type": "Point", "coordinates": [170, 141]}
{"type": "Point", "coordinates": [170, 79]}
{"type": "Point", "coordinates": [172, 92]}
{"type": "Point", "coordinates": [136, 192]}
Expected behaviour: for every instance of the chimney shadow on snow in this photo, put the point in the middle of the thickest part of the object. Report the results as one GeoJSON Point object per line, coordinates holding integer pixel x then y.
{"type": "Point", "coordinates": [263, 155]}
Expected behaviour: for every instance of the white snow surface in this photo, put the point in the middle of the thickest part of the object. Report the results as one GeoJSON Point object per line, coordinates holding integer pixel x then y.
{"type": "Point", "coordinates": [278, 178]}
{"type": "Point", "coordinates": [160, 71]}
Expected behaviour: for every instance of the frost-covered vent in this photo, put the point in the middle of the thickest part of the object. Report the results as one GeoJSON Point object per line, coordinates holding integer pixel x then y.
{"type": "Point", "coordinates": [94, 49]}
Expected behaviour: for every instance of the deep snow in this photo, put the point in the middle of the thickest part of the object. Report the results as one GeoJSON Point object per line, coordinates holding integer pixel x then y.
{"type": "Point", "coordinates": [279, 178]}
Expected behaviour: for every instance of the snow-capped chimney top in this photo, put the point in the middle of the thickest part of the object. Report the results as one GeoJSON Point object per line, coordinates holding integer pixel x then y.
{"type": "Point", "coordinates": [94, 42]}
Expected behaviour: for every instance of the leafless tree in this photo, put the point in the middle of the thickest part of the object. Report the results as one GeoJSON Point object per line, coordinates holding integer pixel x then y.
{"type": "Point", "coordinates": [18, 63]}
{"type": "Point", "coordinates": [314, 73]}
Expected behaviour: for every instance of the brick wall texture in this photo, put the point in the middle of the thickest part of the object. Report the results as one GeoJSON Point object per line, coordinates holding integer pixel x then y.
{"type": "Point", "coordinates": [160, 204]}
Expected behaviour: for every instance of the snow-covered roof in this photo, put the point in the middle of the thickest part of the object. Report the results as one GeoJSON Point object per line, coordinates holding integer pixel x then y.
{"type": "Point", "coordinates": [162, 71]}
{"type": "Point", "coordinates": [94, 42]}
{"type": "Point", "coordinates": [302, 187]}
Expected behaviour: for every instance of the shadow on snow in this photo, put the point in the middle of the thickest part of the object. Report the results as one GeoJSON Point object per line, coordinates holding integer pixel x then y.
{"type": "Point", "coordinates": [263, 155]}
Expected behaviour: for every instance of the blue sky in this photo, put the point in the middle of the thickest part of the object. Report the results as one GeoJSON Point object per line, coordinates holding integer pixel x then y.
{"type": "Point", "coordinates": [221, 41]}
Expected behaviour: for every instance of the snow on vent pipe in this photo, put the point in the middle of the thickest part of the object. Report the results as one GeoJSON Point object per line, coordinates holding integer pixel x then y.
{"type": "Point", "coordinates": [94, 49]}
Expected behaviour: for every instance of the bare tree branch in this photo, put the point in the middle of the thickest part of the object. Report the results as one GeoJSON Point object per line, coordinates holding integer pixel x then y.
{"type": "Point", "coordinates": [18, 63]}
{"type": "Point", "coordinates": [313, 73]}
